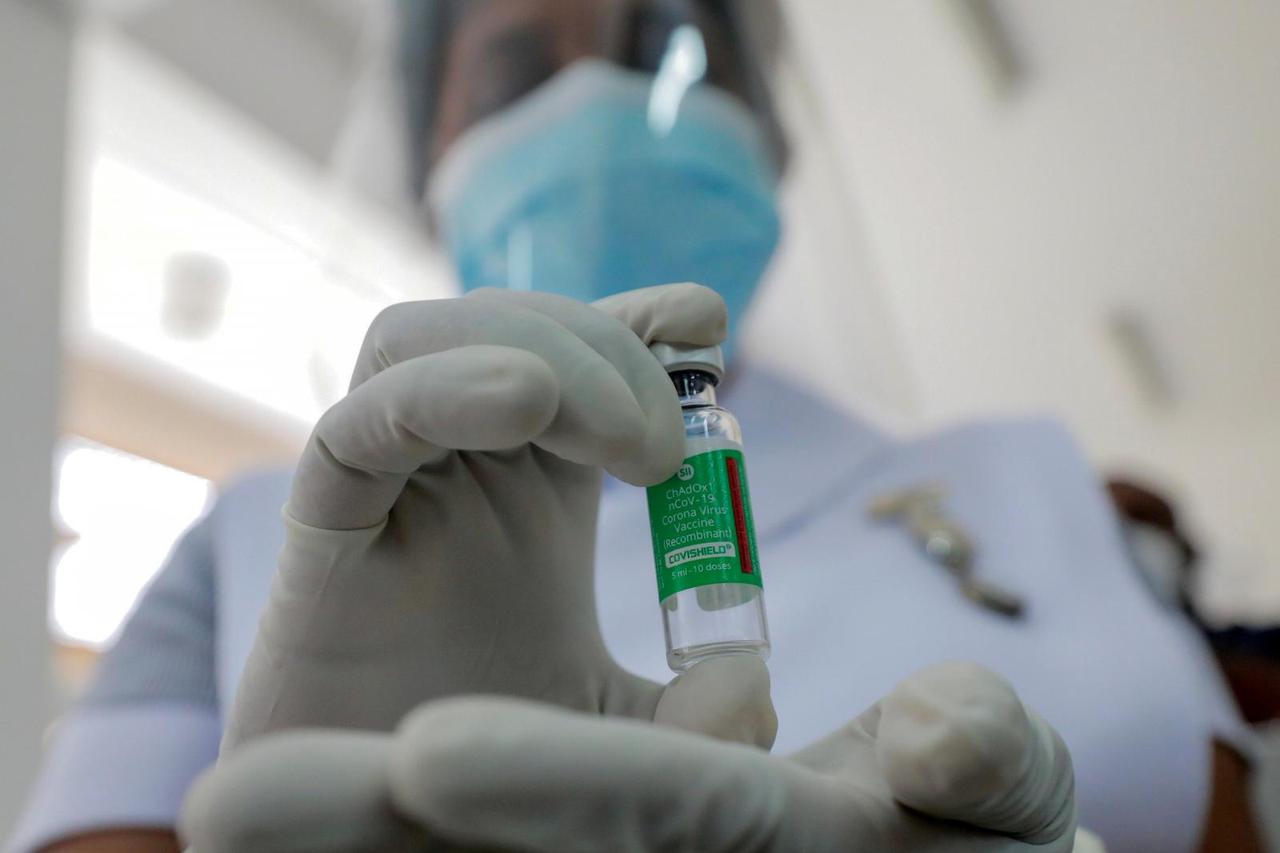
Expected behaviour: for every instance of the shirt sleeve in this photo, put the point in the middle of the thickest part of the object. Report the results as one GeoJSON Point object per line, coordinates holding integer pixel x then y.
{"type": "Point", "coordinates": [149, 722]}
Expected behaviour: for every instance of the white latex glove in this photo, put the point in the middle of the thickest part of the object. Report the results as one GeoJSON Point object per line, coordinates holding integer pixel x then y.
{"type": "Point", "coordinates": [501, 774]}
{"type": "Point", "coordinates": [440, 542]}
{"type": "Point", "coordinates": [440, 532]}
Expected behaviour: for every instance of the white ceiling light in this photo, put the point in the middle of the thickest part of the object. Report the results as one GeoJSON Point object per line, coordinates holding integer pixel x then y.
{"type": "Point", "coordinates": [195, 294]}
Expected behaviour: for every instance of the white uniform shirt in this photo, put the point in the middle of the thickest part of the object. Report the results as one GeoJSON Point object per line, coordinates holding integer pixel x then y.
{"type": "Point", "coordinates": [853, 608]}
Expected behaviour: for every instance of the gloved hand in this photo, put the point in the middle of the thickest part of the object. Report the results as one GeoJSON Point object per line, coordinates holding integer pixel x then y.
{"type": "Point", "coordinates": [440, 533]}
{"type": "Point", "coordinates": [440, 542]}
{"type": "Point", "coordinates": [952, 742]}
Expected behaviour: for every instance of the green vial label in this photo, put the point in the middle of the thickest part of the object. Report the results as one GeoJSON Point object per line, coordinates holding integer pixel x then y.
{"type": "Point", "coordinates": [702, 527]}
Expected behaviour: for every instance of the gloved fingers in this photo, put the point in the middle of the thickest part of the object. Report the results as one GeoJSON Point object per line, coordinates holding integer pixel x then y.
{"type": "Point", "coordinates": [682, 313]}
{"type": "Point", "coordinates": [619, 329]}
{"type": "Point", "coordinates": [504, 773]}
{"type": "Point", "coordinates": [510, 774]}
{"type": "Point", "coordinates": [671, 313]}
{"type": "Point", "coordinates": [598, 419]}
{"type": "Point", "coordinates": [955, 742]}
{"type": "Point", "coordinates": [411, 414]}
{"type": "Point", "coordinates": [724, 697]}
{"type": "Point", "coordinates": [307, 791]}
{"type": "Point", "coordinates": [596, 425]}
{"type": "Point", "coordinates": [555, 391]}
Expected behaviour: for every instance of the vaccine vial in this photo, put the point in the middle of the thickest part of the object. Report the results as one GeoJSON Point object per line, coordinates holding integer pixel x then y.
{"type": "Point", "coordinates": [704, 542]}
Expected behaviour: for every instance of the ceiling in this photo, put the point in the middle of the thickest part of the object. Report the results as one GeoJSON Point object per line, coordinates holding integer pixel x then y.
{"type": "Point", "coordinates": [286, 63]}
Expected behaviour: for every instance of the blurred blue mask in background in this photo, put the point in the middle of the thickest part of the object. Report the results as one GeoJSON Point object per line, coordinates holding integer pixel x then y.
{"type": "Point", "coordinates": [604, 180]}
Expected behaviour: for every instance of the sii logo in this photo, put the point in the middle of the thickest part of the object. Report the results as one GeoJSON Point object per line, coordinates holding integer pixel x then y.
{"type": "Point", "coordinates": [685, 472]}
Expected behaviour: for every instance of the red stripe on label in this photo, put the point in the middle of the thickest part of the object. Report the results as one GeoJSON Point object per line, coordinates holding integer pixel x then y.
{"type": "Point", "coordinates": [739, 515]}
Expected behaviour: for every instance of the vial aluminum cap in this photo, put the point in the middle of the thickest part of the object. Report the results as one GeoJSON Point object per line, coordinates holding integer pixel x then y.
{"type": "Point", "coordinates": [675, 357]}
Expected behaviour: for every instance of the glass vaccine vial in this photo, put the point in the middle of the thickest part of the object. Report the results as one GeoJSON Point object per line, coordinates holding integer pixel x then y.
{"type": "Point", "coordinates": [704, 542]}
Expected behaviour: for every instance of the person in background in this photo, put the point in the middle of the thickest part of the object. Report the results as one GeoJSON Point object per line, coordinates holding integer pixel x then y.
{"type": "Point", "coordinates": [1168, 560]}
{"type": "Point", "coordinates": [446, 524]}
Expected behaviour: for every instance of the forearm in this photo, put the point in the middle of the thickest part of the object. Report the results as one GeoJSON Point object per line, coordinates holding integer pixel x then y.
{"type": "Point", "coordinates": [119, 841]}
{"type": "Point", "coordinates": [1229, 825]}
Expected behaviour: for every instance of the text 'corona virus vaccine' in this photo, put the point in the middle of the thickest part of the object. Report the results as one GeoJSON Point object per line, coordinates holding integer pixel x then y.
{"type": "Point", "coordinates": [704, 540]}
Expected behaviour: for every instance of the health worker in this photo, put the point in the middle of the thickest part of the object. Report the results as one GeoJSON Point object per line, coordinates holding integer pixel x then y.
{"type": "Point", "coordinates": [450, 638]}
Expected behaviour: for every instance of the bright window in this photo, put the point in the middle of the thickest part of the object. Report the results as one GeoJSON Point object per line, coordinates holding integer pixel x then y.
{"type": "Point", "coordinates": [118, 516]}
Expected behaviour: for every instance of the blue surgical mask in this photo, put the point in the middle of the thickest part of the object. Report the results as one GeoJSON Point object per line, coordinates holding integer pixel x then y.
{"type": "Point", "coordinates": [588, 187]}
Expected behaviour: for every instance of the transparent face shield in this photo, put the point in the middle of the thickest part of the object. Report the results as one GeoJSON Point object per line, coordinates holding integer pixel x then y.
{"type": "Point", "coordinates": [591, 148]}
{"type": "Point", "coordinates": [464, 60]}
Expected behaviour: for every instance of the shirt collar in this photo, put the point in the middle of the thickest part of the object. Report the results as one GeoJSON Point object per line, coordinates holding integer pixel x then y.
{"type": "Point", "coordinates": [799, 447]}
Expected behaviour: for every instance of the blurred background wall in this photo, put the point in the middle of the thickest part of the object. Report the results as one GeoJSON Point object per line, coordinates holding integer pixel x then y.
{"type": "Point", "coordinates": [994, 208]}
{"type": "Point", "coordinates": [1074, 210]}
